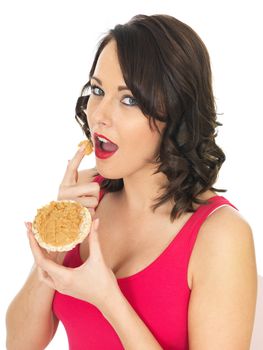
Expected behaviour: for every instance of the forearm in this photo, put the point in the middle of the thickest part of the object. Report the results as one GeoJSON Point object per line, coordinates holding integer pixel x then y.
{"type": "Point", "coordinates": [29, 319]}
{"type": "Point", "coordinates": [131, 330]}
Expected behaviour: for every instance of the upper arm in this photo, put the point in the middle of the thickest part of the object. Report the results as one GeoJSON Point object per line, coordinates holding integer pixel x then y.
{"type": "Point", "coordinates": [223, 297]}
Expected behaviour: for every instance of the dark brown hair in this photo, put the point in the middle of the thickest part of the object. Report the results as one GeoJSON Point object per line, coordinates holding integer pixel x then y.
{"type": "Point", "coordinates": [166, 66]}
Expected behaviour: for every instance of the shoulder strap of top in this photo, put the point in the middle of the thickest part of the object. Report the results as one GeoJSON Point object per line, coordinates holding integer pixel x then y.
{"type": "Point", "coordinates": [98, 178]}
{"type": "Point", "coordinates": [196, 220]}
{"type": "Point", "coordinates": [201, 214]}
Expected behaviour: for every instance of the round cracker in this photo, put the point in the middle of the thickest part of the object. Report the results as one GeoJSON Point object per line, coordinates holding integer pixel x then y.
{"type": "Point", "coordinates": [44, 214]}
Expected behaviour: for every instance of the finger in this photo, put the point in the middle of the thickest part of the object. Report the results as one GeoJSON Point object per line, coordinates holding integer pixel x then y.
{"type": "Point", "coordinates": [94, 243]}
{"type": "Point", "coordinates": [91, 189]}
{"type": "Point", "coordinates": [92, 212]}
{"type": "Point", "coordinates": [35, 248]}
{"type": "Point", "coordinates": [96, 223]}
{"type": "Point", "coordinates": [28, 225]}
{"type": "Point", "coordinates": [53, 273]}
{"type": "Point", "coordinates": [55, 256]}
{"type": "Point", "coordinates": [40, 259]}
{"type": "Point", "coordinates": [32, 240]}
{"type": "Point", "coordinates": [88, 202]}
{"type": "Point", "coordinates": [87, 175]}
{"type": "Point", "coordinates": [70, 175]}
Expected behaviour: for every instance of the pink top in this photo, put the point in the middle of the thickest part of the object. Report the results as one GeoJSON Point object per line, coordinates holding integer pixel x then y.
{"type": "Point", "coordinates": [159, 294]}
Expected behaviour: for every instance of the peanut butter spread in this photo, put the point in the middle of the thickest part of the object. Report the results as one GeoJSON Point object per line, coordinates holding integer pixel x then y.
{"type": "Point", "coordinates": [89, 147]}
{"type": "Point", "coordinates": [60, 225]}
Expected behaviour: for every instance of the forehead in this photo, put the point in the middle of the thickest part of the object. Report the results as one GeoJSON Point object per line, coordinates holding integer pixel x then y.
{"type": "Point", "coordinates": [108, 67]}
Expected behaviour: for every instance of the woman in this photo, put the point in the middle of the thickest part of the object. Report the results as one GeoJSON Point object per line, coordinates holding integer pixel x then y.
{"type": "Point", "coordinates": [169, 264]}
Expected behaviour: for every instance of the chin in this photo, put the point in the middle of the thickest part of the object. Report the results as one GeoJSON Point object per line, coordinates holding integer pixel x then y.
{"type": "Point", "coordinates": [108, 174]}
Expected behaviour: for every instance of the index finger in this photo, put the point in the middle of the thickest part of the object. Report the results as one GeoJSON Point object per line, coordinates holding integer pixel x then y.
{"type": "Point", "coordinates": [72, 168]}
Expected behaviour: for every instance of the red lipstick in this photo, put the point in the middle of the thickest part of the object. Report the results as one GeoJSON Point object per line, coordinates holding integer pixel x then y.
{"type": "Point", "coordinates": [104, 147]}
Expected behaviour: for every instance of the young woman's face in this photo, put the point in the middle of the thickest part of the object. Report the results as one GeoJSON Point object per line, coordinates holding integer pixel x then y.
{"type": "Point", "coordinates": [113, 113]}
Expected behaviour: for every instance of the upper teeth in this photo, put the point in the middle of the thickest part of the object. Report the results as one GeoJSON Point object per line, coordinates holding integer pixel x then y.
{"type": "Point", "coordinates": [102, 139]}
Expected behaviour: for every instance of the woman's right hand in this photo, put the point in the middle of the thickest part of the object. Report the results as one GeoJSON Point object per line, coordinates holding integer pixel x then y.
{"type": "Point", "coordinates": [78, 188]}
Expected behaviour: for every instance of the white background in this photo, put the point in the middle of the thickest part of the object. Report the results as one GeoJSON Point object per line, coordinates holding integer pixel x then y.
{"type": "Point", "coordinates": [46, 51]}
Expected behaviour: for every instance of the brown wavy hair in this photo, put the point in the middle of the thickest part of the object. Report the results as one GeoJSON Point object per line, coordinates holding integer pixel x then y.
{"type": "Point", "coordinates": [166, 66]}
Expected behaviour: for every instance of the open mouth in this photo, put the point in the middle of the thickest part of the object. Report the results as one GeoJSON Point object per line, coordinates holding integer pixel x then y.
{"type": "Point", "coordinates": [104, 145]}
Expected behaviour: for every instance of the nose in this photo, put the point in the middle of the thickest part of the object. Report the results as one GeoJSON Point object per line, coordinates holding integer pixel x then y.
{"type": "Point", "coordinates": [101, 112]}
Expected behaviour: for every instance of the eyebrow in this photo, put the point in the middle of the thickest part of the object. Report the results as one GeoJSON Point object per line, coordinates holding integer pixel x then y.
{"type": "Point", "coordinates": [120, 88]}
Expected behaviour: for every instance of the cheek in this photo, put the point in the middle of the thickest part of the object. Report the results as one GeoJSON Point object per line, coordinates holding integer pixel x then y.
{"type": "Point", "coordinates": [144, 143]}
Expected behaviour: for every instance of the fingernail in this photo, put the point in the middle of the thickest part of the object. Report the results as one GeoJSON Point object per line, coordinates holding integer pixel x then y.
{"type": "Point", "coordinates": [26, 224]}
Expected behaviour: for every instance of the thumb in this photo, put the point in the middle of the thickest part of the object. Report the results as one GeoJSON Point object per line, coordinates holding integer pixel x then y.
{"type": "Point", "coordinates": [92, 212]}
{"type": "Point", "coordinates": [94, 243]}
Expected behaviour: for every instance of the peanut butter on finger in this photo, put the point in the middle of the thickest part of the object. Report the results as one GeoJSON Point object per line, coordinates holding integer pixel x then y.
{"type": "Point", "coordinates": [89, 146]}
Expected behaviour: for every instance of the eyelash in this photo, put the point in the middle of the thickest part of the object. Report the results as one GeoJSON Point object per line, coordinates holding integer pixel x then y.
{"type": "Point", "coordinates": [93, 87]}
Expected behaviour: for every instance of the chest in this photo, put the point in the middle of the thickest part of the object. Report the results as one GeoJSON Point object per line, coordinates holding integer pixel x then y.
{"type": "Point", "coordinates": [130, 243]}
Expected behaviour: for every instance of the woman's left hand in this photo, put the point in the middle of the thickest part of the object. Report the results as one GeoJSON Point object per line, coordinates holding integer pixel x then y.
{"type": "Point", "coordinates": [93, 281]}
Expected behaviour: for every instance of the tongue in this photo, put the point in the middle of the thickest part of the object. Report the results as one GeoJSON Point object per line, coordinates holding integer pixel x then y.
{"type": "Point", "coordinates": [109, 147]}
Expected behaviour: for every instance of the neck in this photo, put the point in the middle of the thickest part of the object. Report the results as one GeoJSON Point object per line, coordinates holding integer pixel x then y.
{"type": "Point", "coordinates": [141, 190]}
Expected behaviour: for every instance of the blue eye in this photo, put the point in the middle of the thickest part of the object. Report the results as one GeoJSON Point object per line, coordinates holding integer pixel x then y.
{"type": "Point", "coordinates": [95, 90]}
{"type": "Point", "coordinates": [131, 101]}
{"type": "Point", "coordinates": [126, 100]}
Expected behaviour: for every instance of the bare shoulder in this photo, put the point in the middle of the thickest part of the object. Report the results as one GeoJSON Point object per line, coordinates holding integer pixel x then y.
{"type": "Point", "coordinates": [224, 225]}
{"type": "Point", "coordinates": [224, 283]}
{"type": "Point", "coordinates": [87, 175]}
{"type": "Point", "coordinates": [225, 231]}
{"type": "Point", "coordinates": [225, 234]}
{"type": "Point", "coordinates": [222, 231]}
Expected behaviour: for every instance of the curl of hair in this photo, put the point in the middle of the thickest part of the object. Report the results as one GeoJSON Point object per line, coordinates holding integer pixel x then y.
{"type": "Point", "coordinates": [166, 66]}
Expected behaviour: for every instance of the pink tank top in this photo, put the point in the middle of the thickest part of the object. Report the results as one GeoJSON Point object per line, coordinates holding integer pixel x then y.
{"type": "Point", "coordinates": [159, 294]}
